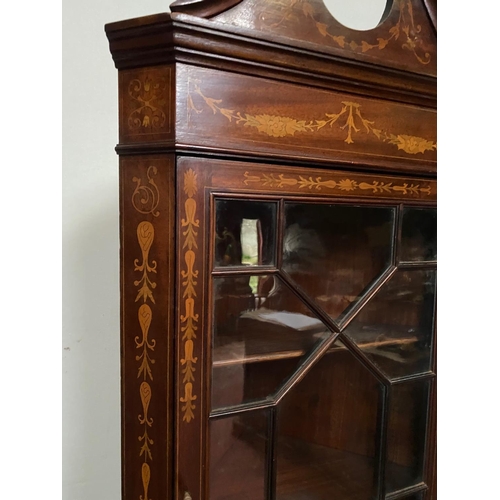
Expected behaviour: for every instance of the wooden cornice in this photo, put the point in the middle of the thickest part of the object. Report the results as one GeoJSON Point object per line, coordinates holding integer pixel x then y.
{"type": "Point", "coordinates": [203, 8]}
{"type": "Point", "coordinates": [179, 37]}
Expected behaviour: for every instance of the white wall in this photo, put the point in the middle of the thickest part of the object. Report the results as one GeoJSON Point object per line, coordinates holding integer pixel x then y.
{"type": "Point", "coordinates": [357, 14]}
{"type": "Point", "coordinates": [91, 390]}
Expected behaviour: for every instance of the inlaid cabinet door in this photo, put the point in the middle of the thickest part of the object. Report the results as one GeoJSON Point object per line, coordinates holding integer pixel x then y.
{"type": "Point", "coordinates": [306, 333]}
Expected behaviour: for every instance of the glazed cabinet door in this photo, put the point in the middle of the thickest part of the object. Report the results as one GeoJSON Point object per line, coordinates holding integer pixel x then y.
{"type": "Point", "coordinates": [305, 334]}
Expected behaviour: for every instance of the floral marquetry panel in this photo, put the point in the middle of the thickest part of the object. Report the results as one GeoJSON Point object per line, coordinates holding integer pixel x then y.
{"type": "Point", "coordinates": [283, 118]}
{"type": "Point", "coordinates": [147, 274]}
{"type": "Point", "coordinates": [405, 37]}
{"type": "Point", "coordinates": [146, 104]}
{"type": "Point", "coordinates": [191, 341]}
{"type": "Point", "coordinates": [274, 179]}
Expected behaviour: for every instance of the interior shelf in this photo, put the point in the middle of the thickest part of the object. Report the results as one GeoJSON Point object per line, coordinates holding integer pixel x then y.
{"type": "Point", "coordinates": [254, 350]}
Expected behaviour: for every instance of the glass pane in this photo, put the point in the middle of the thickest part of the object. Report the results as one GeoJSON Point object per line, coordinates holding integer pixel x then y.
{"type": "Point", "coordinates": [327, 432]}
{"type": "Point", "coordinates": [406, 435]}
{"type": "Point", "coordinates": [395, 329]}
{"type": "Point", "coordinates": [245, 232]}
{"type": "Point", "coordinates": [419, 234]}
{"type": "Point", "coordinates": [260, 338]}
{"type": "Point", "coordinates": [334, 252]}
{"type": "Point", "coordinates": [238, 457]}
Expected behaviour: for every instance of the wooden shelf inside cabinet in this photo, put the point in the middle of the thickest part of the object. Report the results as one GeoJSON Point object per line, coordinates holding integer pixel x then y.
{"type": "Point", "coordinates": [221, 356]}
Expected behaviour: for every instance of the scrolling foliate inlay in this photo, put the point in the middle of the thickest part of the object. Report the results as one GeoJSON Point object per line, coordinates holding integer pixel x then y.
{"type": "Point", "coordinates": [145, 316]}
{"type": "Point", "coordinates": [189, 276]}
{"type": "Point", "coordinates": [145, 233]}
{"type": "Point", "coordinates": [146, 197]}
{"type": "Point", "coordinates": [349, 120]}
{"type": "Point", "coordinates": [149, 97]}
{"type": "Point", "coordinates": [406, 32]}
{"type": "Point", "coordinates": [145, 104]}
{"type": "Point", "coordinates": [145, 236]}
{"type": "Point", "coordinates": [146, 477]}
{"type": "Point", "coordinates": [342, 184]}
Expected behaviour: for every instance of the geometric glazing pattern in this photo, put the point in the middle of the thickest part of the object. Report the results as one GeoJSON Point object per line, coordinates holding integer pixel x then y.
{"type": "Point", "coordinates": [327, 432]}
{"type": "Point", "coordinates": [335, 252]}
{"type": "Point", "coordinates": [395, 328]}
{"type": "Point", "coordinates": [325, 425]}
{"type": "Point", "coordinates": [261, 336]}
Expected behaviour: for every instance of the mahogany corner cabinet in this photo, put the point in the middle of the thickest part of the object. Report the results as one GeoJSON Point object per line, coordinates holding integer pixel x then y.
{"type": "Point", "coordinates": [278, 252]}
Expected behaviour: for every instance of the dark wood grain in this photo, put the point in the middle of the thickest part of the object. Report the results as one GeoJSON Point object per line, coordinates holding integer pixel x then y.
{"type": "Point", "coordinates": [163, 39]}
{"type": "Point", "coordinates": [146, 104]}
{"type": "Point", "coordinates": [202, 8]}
{"type": "Point", "coordinates": [265, 116]}
{"type": "Point", "coordinates": [147, 319]}
{"type": "Point", "coordinates": [404, 39]}
{"type": "Point", "coordinates": [259, 178]}
{"type": "Point", "coordinates": [266, 100]}
{"type": "Point", "coordinates": [192, 333]}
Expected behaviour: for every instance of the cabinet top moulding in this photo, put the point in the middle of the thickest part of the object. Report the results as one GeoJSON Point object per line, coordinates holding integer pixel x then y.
{"type": "Point", "coordinates": [291, 40]}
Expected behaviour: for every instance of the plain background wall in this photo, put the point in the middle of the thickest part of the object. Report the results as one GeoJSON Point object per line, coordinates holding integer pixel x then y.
{"type": "Point", "coordinates": [91, 376]}
{"type": "Point", "coordinates": [91, 383]}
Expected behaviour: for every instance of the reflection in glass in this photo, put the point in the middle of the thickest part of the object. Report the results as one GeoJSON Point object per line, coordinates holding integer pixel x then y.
{"type": "Point", "coordinates": [244, 232]}
{"type": "Point", "coordinates": [419, 234]}
{"type": "Point", "coordinates": [395, 329]}
{"type": "Point", "coordinates": [334, 252]}
{"type": "Point", "coordinates": [259, 338]}
{"type": "Point", "coordinates": [327, 432]}
{"type": "Point", "coordinates": [406, 435]}
{"type": "Point", "coordinates": [238, 457]}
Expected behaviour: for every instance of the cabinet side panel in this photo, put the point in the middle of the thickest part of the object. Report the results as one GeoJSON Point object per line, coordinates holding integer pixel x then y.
{"type": "Point", "coordinates": [147, 305]}
{"type": "Point", "coordinates": [146, 109]}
